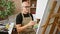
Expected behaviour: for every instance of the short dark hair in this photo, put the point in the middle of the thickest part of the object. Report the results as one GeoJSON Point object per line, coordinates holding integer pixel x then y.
{"type": "Point", "coordinates": [24, 0]}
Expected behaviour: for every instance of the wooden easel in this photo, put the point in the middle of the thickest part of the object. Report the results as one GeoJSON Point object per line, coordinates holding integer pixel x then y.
{"type": "Point", "coordinates": [55, 23]}
{"type": "Point", "coordinates": [48, 19]}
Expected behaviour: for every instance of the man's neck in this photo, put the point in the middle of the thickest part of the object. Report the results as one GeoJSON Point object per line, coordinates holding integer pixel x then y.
{"type": "Point", "coordinates": [24, 13]}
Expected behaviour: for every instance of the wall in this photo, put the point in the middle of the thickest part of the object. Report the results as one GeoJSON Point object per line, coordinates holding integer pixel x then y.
{"type": "Point", "coordinates": [17, 10]}
{"type": "Point", "coordinates": [17, 5]}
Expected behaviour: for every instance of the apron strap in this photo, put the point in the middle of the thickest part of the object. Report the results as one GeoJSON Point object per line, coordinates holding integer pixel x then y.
{"type": "Point", "coordinates": [23, 15]}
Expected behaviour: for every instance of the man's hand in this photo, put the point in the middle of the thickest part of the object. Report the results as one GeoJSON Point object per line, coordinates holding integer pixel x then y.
{"type": "Point", "coordinates": [31, 23]}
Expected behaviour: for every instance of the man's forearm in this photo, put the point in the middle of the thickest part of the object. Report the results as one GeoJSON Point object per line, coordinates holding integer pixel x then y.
{"type": "Point", "coordinates": [22, 28]}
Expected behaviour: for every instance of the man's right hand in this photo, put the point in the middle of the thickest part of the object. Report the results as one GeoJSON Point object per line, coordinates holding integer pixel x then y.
{"type": "Point", "coordinates": [31, 23]}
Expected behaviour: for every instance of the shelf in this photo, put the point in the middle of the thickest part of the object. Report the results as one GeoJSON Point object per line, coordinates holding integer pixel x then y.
{"type": "Point", "coordinates": [33, 7]}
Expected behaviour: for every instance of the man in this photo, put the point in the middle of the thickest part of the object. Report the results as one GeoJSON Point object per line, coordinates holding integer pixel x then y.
{"type": "Point", "coordinates": [24, 21]}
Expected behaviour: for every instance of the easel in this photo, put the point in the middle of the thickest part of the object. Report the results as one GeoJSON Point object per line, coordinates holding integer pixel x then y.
{"type": "Point", "coordinates": [55, 23]}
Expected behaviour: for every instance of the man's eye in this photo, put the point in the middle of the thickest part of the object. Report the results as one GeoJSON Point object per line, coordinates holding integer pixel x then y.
{"type": "Point", "coordinates": [27, 6]}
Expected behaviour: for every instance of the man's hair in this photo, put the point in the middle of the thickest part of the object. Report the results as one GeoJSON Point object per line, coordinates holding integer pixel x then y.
{"type": "Point", "coordinates": [24, 0]}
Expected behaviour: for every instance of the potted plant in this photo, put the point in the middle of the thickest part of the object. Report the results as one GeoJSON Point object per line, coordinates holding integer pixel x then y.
{"type": "Point", "coordinates": [6, 9]}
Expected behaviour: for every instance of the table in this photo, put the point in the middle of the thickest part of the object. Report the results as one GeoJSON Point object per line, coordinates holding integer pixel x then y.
{"type": "Point", "coordinates": [9, 29]}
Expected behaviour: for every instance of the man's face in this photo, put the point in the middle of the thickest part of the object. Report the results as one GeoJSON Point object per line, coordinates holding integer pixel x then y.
{"type": "Point", "coordinates": [25, 7]}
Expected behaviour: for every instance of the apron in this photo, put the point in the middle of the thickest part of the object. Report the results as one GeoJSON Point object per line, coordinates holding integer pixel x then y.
{"type": "Point", "coordinates": [28, 30]}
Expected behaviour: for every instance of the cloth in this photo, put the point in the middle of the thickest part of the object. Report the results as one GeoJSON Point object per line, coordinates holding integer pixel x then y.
{"type": "Point", "coordinates": [28, 30]}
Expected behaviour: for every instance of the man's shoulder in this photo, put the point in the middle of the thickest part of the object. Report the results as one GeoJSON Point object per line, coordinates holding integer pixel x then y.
{"type": "Point", "coordinates": [19, 15]}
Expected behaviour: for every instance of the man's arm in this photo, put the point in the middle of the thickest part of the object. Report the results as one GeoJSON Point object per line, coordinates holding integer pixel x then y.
{"type": "Point", "coordinates": [21, 28]}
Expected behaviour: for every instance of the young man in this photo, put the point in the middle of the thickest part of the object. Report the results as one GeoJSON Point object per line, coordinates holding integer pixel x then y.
{"type": "Point", "coordinates": [24, 21]}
